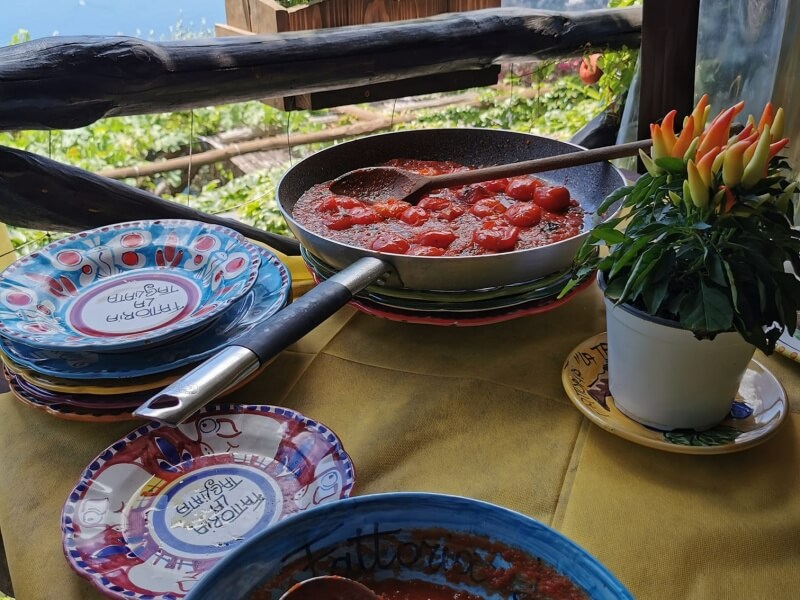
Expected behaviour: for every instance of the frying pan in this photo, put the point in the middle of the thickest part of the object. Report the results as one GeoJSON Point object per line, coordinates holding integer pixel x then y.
{"type": "Point", "coordinates": [589, 184]}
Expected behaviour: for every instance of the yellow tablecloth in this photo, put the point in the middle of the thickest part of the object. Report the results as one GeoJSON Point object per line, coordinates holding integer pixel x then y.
{"type": "Point", "coordinates": [481, 412]}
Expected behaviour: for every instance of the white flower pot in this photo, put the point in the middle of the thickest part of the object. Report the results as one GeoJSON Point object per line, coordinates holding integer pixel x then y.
{"type": "Point", "coordinates": [662, 376]}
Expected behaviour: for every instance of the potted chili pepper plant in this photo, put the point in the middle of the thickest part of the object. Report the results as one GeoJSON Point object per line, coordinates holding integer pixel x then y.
{"type": "Point", "coordinates": [694, 271]}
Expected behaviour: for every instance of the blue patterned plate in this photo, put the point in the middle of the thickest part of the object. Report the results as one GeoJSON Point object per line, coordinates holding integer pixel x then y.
{"type": "Point", "coordinates": [160, 507]}
{"type": "Point", "coordinates": [269, 294]}
{"type": "Point", "coordinates": [125, 285]}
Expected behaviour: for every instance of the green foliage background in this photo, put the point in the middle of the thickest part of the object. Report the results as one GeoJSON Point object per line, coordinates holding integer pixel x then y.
{"type": "Point", "coordinates": [562, 106]}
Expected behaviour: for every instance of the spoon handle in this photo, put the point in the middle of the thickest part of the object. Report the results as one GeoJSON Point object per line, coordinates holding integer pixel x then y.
{"type": "Point", "coordinates": [527, 167]}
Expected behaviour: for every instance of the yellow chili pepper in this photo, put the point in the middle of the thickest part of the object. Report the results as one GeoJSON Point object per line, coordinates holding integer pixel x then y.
{"type": "Point", "coordinates": [660, 149]}
{"type": "Point", "coordinates": [756, 168]}
{"type": "Point", "coordinates": [700, 113]}
{"type": "Point", "coordinates": [733, 165]}
{"type": "Point", "coordinates": [649, 164]}
{"type": "Point", "coordinates": [676, 200]}
{"type": "Point", "coordinates": [692, 150]}
{"type": "Point", "coordinates": [697, 187]}
{"type": "Point", "coordinates": [777, 125]}
{"type": "Point", "coordinates": [687, 194]}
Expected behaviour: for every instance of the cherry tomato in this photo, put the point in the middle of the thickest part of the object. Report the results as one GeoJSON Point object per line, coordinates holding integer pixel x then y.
{"type": "Point", "coordinates": [433, 203]}
{"type": "Point", "coordinates": [338, 221]}
{"type": "Point", "coordinates": [555, 199]}
{"type": "Point", "coordinates": [414, 215]}
{"type": "Point", "coordinates": [589, 71]}
{"type": "Point", "coordinates": [391, 209]}
{"type": "Point", "coordinates": [363, 215]}
{"type": "Point", "coordinates": [425, 251]}
{"type": "Point", "coordinates": [496, 236]}
{"type": "Point", "coordinates": [487, 207]}
{"type": "Point", "coordinates": [451, 212]}
{"type": "Point", "coordinates": [439, 238]}
{"type": "Point", "coordinates": [476, 193]}
{"type": "Point", "coordinates": [390, 242]}
{"type": "Point", "coordinates": [523, 215]}
{"type": "Point", "coordinates": [522, 188]}
{"type": "Point", "coordinates": [496, 185]}
{"type": "Point", "coordinates": [335, 203]}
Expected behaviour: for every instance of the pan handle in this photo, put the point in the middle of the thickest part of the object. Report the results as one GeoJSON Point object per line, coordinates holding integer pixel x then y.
{"type": "Point", "coordinates": [247, 353]}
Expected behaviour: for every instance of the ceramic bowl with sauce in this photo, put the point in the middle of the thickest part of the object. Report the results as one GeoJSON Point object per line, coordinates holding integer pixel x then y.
{"type": "Point", "coordinates": [407, 542]}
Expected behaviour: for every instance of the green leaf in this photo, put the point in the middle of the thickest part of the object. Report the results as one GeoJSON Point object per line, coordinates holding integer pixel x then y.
{"type": "Point", "coordinates": [614, 288]}
{"type": "Point", "coordinates": [715, 269]}
{"type": "Point", "coordinates": [673, 165]}
{"type": "Point", "coordinates": [630, 254]}
{"type": "Point", "coordinates": [706, 310]}
{"type": "Point", "coordinates": [613, 197]}
{"type": "Point", "coordinates": [638, 275]}
{"type": "Point", "coordinates": [731, 282]}
{"type": "Point", "coordinates": [608, 235]}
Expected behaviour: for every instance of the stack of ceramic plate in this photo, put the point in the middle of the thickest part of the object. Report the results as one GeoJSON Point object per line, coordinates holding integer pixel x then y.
{"type": "Point", "coordinates": [462, 308]}
{"type": "Point", "coordinates": [94, 324]}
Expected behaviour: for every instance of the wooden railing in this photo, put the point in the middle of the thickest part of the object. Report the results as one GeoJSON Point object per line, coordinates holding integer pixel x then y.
{"type": "Point", "coordinates": [56, 83]}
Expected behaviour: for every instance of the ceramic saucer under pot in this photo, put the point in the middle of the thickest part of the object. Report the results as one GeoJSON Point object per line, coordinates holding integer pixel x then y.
{"type": "Point", "coordinates": [759, 409]}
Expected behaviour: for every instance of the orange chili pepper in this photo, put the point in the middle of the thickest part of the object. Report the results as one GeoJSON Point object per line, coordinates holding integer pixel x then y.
{"type": "Point", "coordinates": [766, 117]}
{"type": "Point", "coordinates": [717, 133]}
{"type": "Point", "coordinates": [704, 165]}
{"type": "Point", "coordinates": [777, 147]}
{"type": "Point", "coordinates": [668, 131]}
{"type": "Point", "coordinates": [684, 139]}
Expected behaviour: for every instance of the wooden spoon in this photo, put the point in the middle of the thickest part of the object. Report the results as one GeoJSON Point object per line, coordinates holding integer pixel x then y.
{"type": "Point", "coordinates": [329, 587]}
{"type": "Point", "coordinates": [378, 184]}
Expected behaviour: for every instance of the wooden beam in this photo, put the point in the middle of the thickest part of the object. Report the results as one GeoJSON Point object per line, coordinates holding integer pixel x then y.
{"type": "Point", "coordinates": [40, 193]}
{"type": "Point", "coordinates": [369, 122]}
{"type": "Point", "coordinates": [667, 62]}
{"type": "Point", "coordinates": [66, 82]}
{"type": "Point", "coordinates": [402, 88]}
{"type": "Point", "coordinates": [208, 157]}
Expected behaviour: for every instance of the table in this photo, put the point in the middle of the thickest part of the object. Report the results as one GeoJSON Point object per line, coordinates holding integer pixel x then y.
{"type": "Point", "coordinates": [480, 412]}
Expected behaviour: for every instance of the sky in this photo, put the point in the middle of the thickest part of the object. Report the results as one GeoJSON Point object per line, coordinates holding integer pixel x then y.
{"type": "Point", "coordinates": [148, 19]}
{"type": "Point", "coordinates": [151, 19]}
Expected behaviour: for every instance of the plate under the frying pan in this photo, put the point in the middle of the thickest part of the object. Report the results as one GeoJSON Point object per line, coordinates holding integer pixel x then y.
{"type": "Point", "coordinates": [589, 184]}
{"type": "Point", "coordinates": [433, 302]}
{"type": "Point", "coordinates": [464, 318]}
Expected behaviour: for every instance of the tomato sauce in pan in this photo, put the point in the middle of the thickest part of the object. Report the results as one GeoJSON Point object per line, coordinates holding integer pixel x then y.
{"type": "Point", "coordinates": [483, 218]}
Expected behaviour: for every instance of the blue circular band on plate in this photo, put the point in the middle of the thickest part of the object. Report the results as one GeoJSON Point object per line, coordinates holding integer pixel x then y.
{"type": "Point", "coordinates": [221, 498]}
